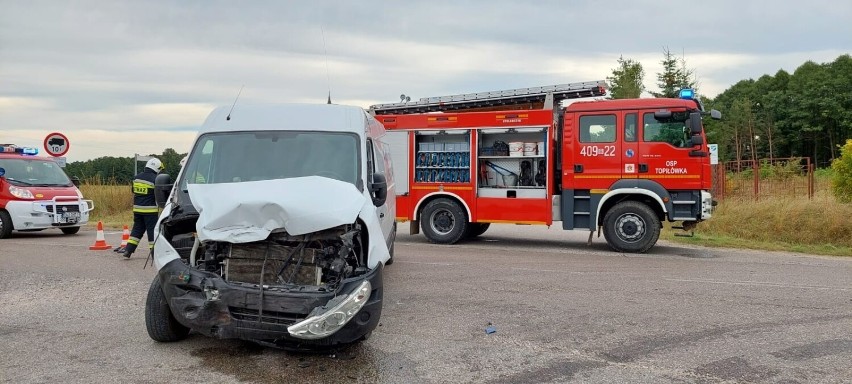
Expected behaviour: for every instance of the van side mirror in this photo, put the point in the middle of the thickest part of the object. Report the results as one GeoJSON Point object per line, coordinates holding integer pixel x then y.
{"type": "Point", "coordinates": [695, 123]}
{"type": "Point", "coordinates": [162, 189]}
{"type": "Point", "coordinates": [379, 189]}
{"type": "Point", "coordinates": [76, 181]}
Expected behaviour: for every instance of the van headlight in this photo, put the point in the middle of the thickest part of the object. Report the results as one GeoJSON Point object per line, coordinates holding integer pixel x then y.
{"type": "Point", "coordinates": [20, 193]}
{"type": "Point", "coordinates": [330, 321]}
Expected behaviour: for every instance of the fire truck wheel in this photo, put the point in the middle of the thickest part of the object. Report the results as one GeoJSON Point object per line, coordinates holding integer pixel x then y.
{"type": "Point", "coordinates": [444, 221]}
{"type": "Point", "coordinates": [476, 229]}
{"type": "Point", "coordinates": [70, 230]}
{"type": "Point", "coordinates": [631, 227]}
{"type": "Point", "coordinates": [161, 324]}
{"type": "Point", "coordinates": [5, 224]}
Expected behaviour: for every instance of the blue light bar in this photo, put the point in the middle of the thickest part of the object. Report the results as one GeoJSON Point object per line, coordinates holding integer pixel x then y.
{"type": "Point", "coordinates": [687, 93]}
{"type": "Point", "coordinates": [30, 151]}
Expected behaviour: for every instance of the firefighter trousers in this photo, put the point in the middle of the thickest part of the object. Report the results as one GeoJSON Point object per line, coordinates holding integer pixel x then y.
{"type": "Point", "coordinates": [142, 222]}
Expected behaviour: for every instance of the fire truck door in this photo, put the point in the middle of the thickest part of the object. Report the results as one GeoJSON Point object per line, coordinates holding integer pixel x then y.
{"type": "Point", "coordinates": [629, 145]}
{"type": "Point", "coordinates": [597, 154]}
{"type": "Point", "coordinates": [664, 152]}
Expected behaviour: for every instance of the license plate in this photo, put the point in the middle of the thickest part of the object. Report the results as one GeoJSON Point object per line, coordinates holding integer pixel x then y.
{"type": "Point", "coordinates": [69, 217]}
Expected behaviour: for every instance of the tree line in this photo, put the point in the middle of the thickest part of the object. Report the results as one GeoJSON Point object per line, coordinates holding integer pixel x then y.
{"type": "Point", "coordinates": [119, 170]}
{"type": "Point", "coordinates": [804, 114]}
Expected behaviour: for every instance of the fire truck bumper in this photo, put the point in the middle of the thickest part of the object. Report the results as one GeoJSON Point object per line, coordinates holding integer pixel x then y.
{"type": "Point", "coordinates": [707, 205]}
{"type": "Point", "coordinates": [43, 214]}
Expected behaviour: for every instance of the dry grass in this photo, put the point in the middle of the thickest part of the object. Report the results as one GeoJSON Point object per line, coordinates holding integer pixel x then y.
{"type": "Point", "coordinates": [820, 225]}
{"type": "Point", "coordinates": [113, 204]}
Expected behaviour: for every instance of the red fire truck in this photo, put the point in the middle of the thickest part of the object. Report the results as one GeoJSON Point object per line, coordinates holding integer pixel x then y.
{"type": "Point", "coordinates": [622, 167]}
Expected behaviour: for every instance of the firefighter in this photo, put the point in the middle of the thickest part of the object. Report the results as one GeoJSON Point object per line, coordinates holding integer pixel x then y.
{"type": "Point", "coordinates": [144, 206]}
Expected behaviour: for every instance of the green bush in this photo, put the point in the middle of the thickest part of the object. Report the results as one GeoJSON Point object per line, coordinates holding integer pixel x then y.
{"type": "Point", "coordinates": [841, 182]}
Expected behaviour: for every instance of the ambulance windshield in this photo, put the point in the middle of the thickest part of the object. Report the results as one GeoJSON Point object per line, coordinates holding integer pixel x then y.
{"type": "Point", "coordinates": [34, 173]}
{"type": "Point", "coordinates": [229, 157]}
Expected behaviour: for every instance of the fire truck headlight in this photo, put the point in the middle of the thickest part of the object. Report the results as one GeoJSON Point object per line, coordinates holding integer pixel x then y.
{"type": "Point", "coordinates": [330, 321]}
{"type": "Point", "coordinates": [20, 193]}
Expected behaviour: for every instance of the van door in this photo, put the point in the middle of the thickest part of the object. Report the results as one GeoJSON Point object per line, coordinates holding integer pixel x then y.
{"type": "Point", "coordinates": [377, 162]}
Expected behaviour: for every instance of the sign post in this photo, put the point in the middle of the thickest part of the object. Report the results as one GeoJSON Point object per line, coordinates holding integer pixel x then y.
{"type": "Point", "coordinates": [56, 144]}
{"type": "Point", "coordinates": [714, 153]}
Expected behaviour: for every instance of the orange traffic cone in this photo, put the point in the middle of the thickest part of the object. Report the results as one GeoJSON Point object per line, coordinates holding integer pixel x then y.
{"type": "Point", "coordinates": [125, 235]}
{"type": "Point", "coordinates": [100, 243]}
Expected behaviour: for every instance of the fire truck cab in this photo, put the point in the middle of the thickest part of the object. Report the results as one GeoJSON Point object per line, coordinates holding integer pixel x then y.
{"type": "Point", "coordinates": [621, 167]}
{"type": "Point", "coordinates": [35, 194]}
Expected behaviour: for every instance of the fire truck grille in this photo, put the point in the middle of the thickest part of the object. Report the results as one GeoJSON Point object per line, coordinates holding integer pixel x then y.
{"type": "Point", "coordinates": [64, 208]}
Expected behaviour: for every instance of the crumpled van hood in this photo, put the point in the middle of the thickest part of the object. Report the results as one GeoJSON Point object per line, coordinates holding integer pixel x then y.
{"type": "Point", "coordinates": [248, 211]}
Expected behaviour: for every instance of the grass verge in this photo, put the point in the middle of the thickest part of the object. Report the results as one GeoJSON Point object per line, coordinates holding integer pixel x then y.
{"type": "Point", "coordinates": [820, 225]}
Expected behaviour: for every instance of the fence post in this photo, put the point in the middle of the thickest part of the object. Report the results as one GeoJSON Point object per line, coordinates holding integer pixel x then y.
{"type": "Point", "coordinates": [756, 171]}
{"type": "Point", "coordinates": [810, 179]}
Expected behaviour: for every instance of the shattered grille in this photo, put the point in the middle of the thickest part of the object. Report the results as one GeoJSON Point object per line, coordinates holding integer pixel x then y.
{"type": "Point", "coordinates": [245, 263]}
{"type": "Point", "coordinates": [270, 317]}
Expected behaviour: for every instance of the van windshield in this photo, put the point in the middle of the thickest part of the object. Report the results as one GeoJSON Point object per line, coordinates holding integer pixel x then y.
{"type": "Point", "coordinates": [34, 173]}
{"type": "Point", "coordinates": [229, 157]}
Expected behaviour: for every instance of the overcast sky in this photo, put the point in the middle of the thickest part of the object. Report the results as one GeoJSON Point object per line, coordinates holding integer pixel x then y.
{"type": "Point", "coordinates": [120, 78]}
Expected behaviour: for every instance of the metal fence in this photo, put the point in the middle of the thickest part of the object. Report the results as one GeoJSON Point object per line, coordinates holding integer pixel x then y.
{"type": "Point", "coordinates": [788, 177]}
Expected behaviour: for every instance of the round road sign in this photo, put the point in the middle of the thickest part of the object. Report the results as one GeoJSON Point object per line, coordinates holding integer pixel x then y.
{"type": "Point", "coordinates": [56, 144]}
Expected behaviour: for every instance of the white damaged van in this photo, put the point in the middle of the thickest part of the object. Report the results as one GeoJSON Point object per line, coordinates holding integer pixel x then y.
{"type": "Point", "coordinates": [276, 230]}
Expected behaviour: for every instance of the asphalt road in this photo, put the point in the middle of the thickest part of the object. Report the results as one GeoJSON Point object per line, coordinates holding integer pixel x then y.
{"type": "Point", "coordinates": [563, 312]}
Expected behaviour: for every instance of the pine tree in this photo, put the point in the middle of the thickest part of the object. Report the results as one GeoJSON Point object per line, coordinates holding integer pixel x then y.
{"type": "Point", "coordinates": [626, 79]}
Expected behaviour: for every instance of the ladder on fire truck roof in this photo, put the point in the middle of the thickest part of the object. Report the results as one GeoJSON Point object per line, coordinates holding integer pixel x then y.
{"type": "Point", "coordinates": [546, 96]}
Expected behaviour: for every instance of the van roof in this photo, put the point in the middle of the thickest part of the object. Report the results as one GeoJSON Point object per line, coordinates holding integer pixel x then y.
{"type": "Point", "coordinates": [310, 117]}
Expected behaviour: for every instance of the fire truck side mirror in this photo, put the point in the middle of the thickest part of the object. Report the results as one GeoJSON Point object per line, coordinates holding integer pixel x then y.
{"type": "Point", "coordinates": [695, 123]}
{"type": "Point", "coordinates": [162, 189]}
{"type": "Point", "coordinates": [76, 181]}
{"type": "Point", "coordinates": [697, 140]}
{"type": "Point", "coordinates": [379, 189]}
{"type": "Point", "coordinates": [715, 115]}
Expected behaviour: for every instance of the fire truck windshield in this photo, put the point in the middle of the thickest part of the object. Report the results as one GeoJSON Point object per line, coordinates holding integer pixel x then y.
{"type": "Point", "coordinates": [228, 157]}
{"type": "Point", "coordinates": [34, 172]}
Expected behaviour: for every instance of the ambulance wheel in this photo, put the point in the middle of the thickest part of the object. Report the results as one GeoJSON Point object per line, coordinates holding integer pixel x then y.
{"type": "Point", "coordinates": [476, 229]}
{"type": "Point", "coordinates": [161, 324]}
{"type": "Point", "coordinates": [443, 221]}
{"type": "Point", "coordinates": [631, 227]}
{"type": "Point", "coordinates": [5, 224]}
{"type": "Point", "coordinates": [70, 230]}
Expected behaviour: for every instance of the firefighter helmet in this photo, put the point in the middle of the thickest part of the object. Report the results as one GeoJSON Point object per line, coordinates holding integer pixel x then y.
{"type": "Point", "coordinates": [155, 164]}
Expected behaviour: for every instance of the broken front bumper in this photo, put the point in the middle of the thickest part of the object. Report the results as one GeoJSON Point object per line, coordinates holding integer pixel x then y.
{"type": "Point", "coordinates": [208, 304]}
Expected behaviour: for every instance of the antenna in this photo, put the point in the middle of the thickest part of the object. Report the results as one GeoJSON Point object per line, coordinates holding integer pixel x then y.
{"type": "Point", "coordinates": [327, 76]}
{"type": "Point", "coordinates": [235, 103]}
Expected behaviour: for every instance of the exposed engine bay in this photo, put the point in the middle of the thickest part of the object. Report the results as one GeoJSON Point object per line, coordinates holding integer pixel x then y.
{"type": "Point", "coordinates": [317, 261]}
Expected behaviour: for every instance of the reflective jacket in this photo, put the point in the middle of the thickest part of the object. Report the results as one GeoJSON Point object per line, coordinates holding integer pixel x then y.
{"type": "Point", "coordinates": [143, 192]}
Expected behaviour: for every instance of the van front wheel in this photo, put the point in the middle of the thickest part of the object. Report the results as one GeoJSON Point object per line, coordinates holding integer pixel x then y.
{"type": "Point", "coordinates": [443, 221]}
{"type": "Point", "coordinates": [161, 324]}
